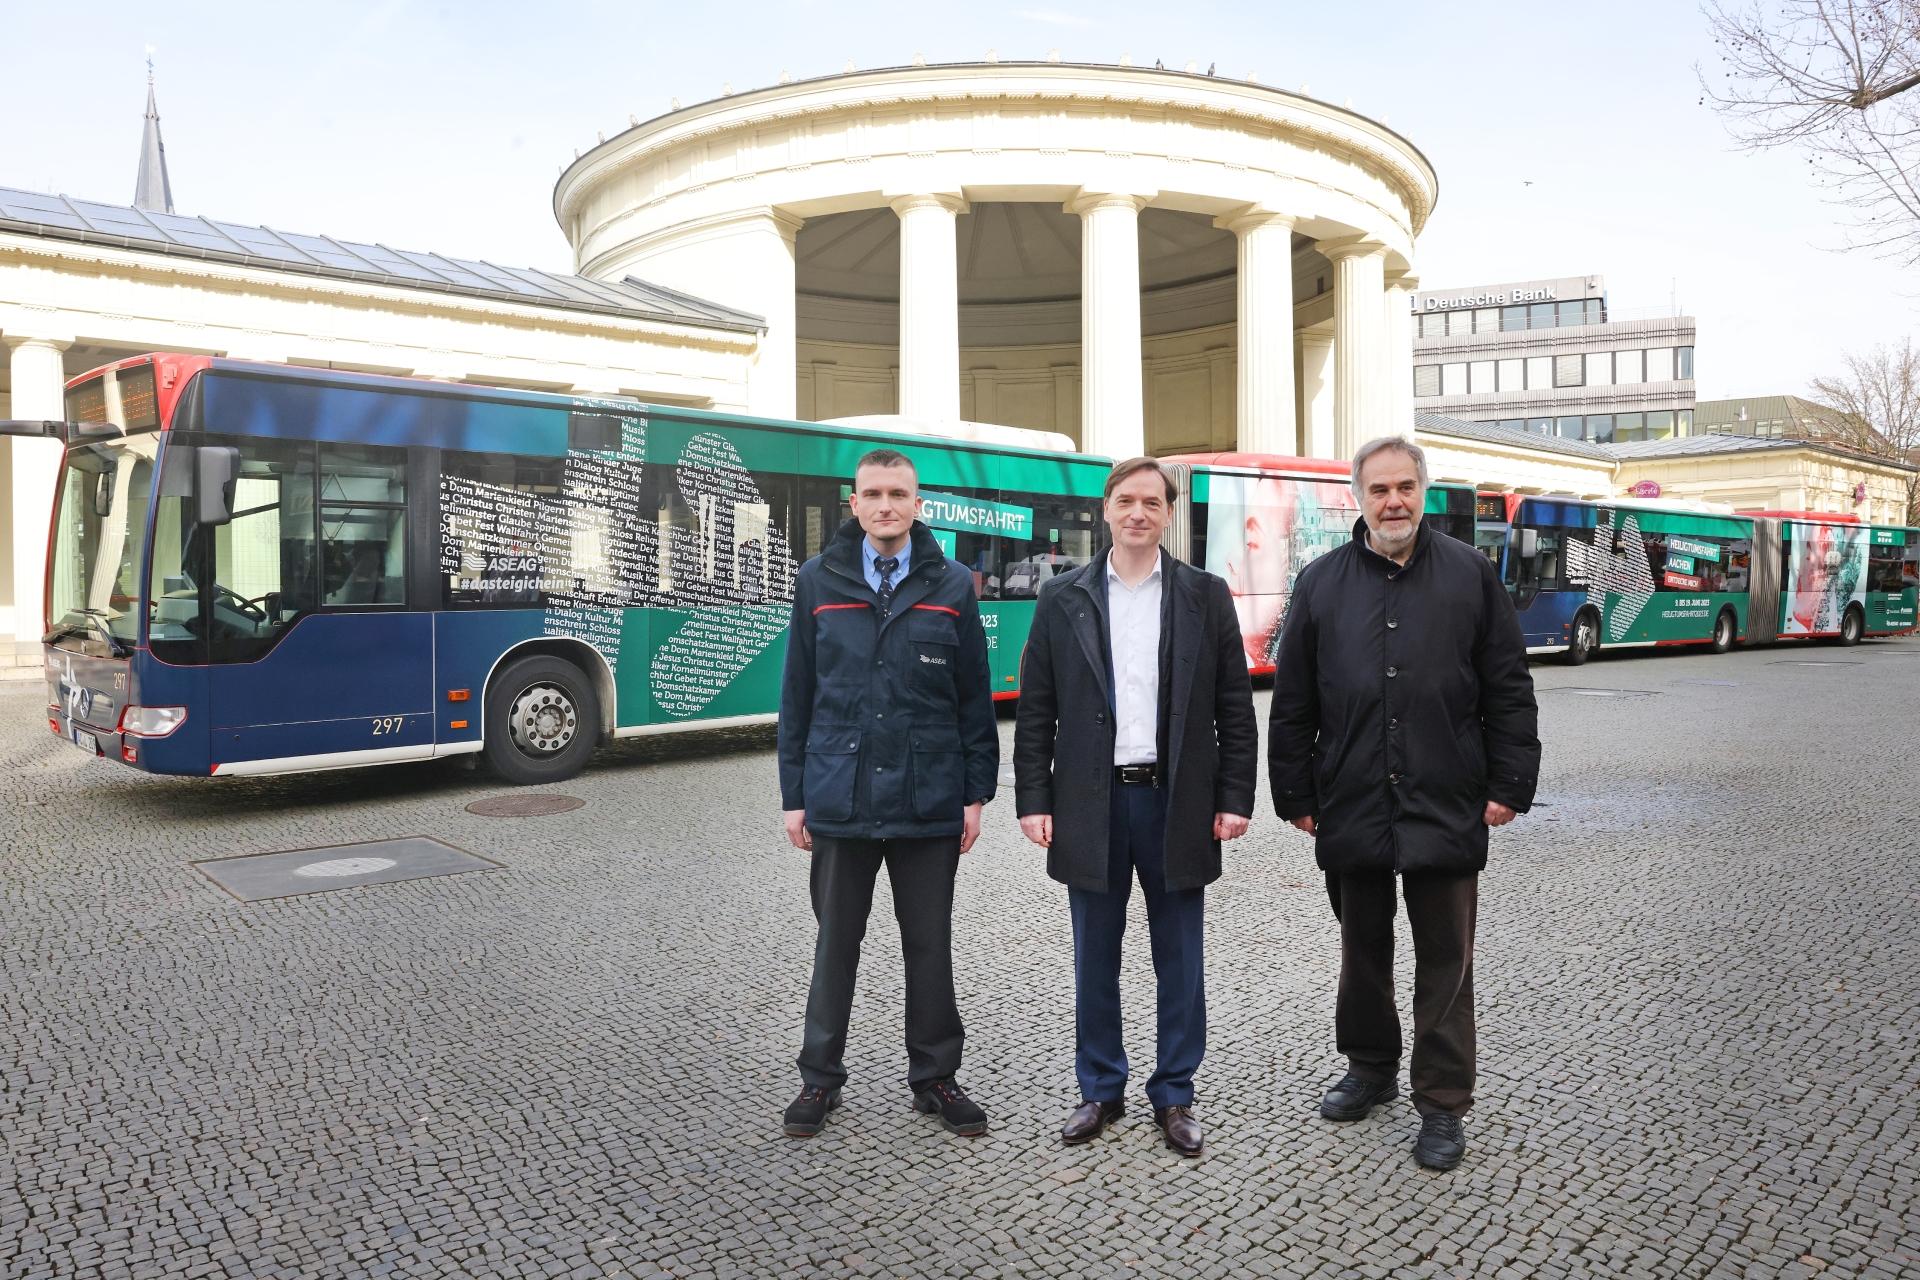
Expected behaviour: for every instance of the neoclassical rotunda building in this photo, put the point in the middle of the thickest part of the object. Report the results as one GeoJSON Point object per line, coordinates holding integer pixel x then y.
{"type": "Point", "coordinates": [1140, 259]}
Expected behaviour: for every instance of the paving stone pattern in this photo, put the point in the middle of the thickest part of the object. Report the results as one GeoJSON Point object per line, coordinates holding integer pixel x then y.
{"type": "Point", "coordinates": [1699, 1027]}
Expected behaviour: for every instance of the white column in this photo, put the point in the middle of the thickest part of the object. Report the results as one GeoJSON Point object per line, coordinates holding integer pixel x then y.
{"type": "Point", "coordinates": [1399, 303]}
{"type": "Point", "coordinates": [929, 306]}
{"type": "Point", "coordinates": [38, 392]}
{"type": "Point", "coordinates": [773, 388]}
{"type": "Point", "coordinates": [1360, 403]}
{"type": "Point", "coordinates": [1112, 409]}
{"type": "Point", "coordinates": [1264, 403]}
{"type": "Point", "coordinates": [1316, 392]}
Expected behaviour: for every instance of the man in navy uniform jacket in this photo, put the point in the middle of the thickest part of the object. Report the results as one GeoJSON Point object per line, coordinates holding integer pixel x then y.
{"type": "Point", "coordinates": [888, 751]}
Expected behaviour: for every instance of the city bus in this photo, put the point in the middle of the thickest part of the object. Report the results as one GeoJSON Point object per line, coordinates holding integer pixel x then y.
{"type": "Point", "coordinates": [1258, 519]}
{"type": "Point", "coordinates": [1829, 576]}
{"type": "Point", "coordinates": [1645, 572]}
{"type": "Point", "coordinates": [261, 569]}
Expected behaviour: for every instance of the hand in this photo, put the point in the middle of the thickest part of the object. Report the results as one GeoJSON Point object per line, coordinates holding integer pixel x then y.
{"type": "Point", "coordinates": [1229, 826]}
{"type": "Point", "coordinates": [970, 827]}
{"type": "Point", "coordinates": [797, 833]}
{"type": "Point", "coordinates": [1306, 824]}
{"type": "Point", "coordinates": [1038, 827]}
{"type": "Point", "coordinates": [1498, 815]}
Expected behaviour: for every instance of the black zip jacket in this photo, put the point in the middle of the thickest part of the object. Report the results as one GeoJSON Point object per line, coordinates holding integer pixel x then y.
{"type": "Point", "coordinates": [1401, 705]}
{"type": "Point", "coordinates": [886, 723]}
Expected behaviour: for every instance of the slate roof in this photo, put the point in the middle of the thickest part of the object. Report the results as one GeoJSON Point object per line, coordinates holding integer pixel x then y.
{"type": "Point", "coordinates": [1489, 433]}
{"type": "Point", "coordinates": [126, 227]}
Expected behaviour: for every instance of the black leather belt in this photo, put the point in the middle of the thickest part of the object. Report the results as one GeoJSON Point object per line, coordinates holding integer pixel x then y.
{"type": "Point", "coordinates": [1139, 775]}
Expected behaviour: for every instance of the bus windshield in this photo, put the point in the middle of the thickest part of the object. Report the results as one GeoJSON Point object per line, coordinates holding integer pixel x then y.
{"type": "Point", "coordinates": [99, 539]}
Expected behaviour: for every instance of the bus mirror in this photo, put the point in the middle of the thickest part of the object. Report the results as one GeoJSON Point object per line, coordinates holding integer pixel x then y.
{"type": "Point", "coordinates": [103, 493]}
{"type": "Point", "coordinates": [215, 470]}
{"type": "Point", "coordinates": [1529, 543]}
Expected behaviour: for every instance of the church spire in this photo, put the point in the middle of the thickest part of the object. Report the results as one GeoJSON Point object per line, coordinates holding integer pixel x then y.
{"type": "Point", "coordinates": [152, 191]}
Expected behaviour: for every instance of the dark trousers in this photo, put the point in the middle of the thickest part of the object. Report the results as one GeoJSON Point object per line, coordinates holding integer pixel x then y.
{"type": "Point", "coordinates": [921, 872]}
{"type": "Point", "coordinates": [1137, 823]}
{"type": "Point", "coordinates": [1441, 909]}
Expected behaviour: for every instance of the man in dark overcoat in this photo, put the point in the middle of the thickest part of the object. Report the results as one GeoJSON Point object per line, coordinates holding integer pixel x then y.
{"type": "Point", "coordinates": [888, 750]}
{"type": "Point", "coordinates": [1403, 727]}
{"type": "Point", "coordinates": [1134, 755]}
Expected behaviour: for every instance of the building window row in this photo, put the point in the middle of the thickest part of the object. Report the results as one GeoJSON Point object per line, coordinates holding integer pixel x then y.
{"type": "Point", "coordinates": [1541, 373]}
{"type": "Point", "coordinates": [1608, 428]}
{"type": "Point", "coordinates": [1537, 315]}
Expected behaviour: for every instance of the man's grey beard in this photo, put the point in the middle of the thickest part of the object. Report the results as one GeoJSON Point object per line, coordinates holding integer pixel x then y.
{"type": "Point", "coordinates": [1386, 544]}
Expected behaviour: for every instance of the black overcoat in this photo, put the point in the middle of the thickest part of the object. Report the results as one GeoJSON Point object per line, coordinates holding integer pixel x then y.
{"type": "Point", "coordinates": [1401, 705]}
{"type": "Point", "coordinates": [1063, 735]}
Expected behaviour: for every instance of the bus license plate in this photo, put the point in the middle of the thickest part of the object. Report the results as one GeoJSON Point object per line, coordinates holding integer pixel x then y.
{"type": "Point", "coordinates": [86, 742]}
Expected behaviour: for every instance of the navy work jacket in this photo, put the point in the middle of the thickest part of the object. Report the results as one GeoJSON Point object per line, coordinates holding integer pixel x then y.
{"type": "Point", "coordinates": [1401, 705]}
{"type": "Point", "coordinates": [886, 720]}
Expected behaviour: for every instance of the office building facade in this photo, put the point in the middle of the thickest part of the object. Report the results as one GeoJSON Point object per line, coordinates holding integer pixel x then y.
{"type": "Point", "coordinates": [1554, 358]}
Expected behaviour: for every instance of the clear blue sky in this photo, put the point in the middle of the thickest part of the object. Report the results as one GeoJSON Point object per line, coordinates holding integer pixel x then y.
{"type": "Point", "coordinates": [433, 125]}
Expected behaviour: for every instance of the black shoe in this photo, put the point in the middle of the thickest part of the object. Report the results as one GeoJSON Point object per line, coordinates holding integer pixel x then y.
{"type": "Point", "coordinates": [1353, 1097]}
{"type": "Point", "coordinates": [958, 1113]}
{"type": "Point", "coordinates": [1441, 1143]}
{"type": "Point", "coordinates": [807, 1114]}
{"type": "Point", "coordinates": [1181, 1129]}
{"type": "Point", "coordinates": [1089, 1120]}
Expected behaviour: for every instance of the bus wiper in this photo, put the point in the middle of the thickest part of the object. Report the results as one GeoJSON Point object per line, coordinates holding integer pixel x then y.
{"type": "Point", "coordinates": [115, 645]}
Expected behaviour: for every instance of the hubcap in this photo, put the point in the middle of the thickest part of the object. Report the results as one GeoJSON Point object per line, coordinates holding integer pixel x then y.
{"type": "Point", "coordinates": [543, 720]}
{"type": "Point", "coordinates": [1583, 635]}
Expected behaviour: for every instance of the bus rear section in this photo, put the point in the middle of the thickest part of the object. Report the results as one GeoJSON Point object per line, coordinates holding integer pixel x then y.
{"type": "Point", "coordinates": [1832, 577]}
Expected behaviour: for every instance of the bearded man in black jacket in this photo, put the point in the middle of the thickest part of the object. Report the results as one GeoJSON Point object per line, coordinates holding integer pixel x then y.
{"type": "Point", "coordinates": [1403, 727]}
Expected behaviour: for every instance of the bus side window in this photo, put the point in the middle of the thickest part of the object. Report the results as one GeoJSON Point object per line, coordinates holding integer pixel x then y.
{"type": "Point", "coordinates": [1065, 532]}
{"type": "Point", "coordinates": [363, 525]}
{"type": "Point", "coordinates": [493, 512]}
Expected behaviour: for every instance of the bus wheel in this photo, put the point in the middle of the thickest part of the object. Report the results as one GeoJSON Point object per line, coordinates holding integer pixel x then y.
{"type": "Point", "coordinates": [1852, 626]}
{"type": "Point", "coordinates": [1723, 631]}
{"type": "Point", "coordinates": [543, 721]}
{"type": "Point", "coordinates": [1585, 638]}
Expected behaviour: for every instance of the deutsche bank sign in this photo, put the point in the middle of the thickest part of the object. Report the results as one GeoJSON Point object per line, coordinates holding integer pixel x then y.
{"type": "Point", "coordinates": [1506, 297]}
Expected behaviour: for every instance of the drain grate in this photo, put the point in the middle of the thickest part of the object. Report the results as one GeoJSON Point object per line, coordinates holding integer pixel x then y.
{"type": "Point", "coordinates": [1706, 684]}
{"type": "Point", "coordinates": [1603, 693]}
{"type": "Point", "coordinates": [535, 805]}
{"type": "Point", "coordinates": [253, 877]}
{"type": "Point", "coordinates": [1813, 662]}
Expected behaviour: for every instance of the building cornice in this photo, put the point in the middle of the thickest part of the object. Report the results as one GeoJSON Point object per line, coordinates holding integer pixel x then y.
{"type": "Point", "coordinates": [1237, 104]}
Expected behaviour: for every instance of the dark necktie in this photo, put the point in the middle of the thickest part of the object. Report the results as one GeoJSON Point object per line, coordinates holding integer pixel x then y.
{"type": "Point", "coordinates": [886, 565]}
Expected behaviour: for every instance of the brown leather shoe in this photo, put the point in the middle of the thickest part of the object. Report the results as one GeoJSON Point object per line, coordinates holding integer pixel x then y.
{"type": "Point", "coordinates": [1182, 1130]}
{"type": "Point", "coordinates": [1089, 1120]}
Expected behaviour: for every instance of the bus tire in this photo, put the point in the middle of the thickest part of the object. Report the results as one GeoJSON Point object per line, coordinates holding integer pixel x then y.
{"type": "Point", "coordinates": [1724, 631]}
{"type": "Point", "coordinates": [1585, 639]}
{"type": "Point", "coordinates": [1852, 626]}
{"type": "Point", "coordinates": [543, 721]}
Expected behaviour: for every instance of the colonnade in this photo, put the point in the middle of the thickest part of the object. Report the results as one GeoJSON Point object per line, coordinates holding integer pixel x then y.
{"type": "Point", "coordinates": [1354, 384]}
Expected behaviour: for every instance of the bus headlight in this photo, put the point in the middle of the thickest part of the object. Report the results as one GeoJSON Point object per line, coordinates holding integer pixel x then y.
{"type": "Point", "coordinates": [151, 722]}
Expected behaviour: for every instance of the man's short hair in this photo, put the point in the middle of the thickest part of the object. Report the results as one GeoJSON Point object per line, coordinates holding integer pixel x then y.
{"type": "Point", "coordinates": [1132, 466]}
{"type": "Point", "coordinates": [886, 458]}
{"type": "Point", "coordinates": [1381, 445]}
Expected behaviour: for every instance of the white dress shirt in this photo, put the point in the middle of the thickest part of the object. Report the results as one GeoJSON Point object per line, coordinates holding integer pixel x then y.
{"type": "Point", "coordinates": [1133, 628]}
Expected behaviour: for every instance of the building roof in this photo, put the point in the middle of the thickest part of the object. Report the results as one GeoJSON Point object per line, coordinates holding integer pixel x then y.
{"type": "Point", "coordinates": [1706, 446]}
{"type": "Point", "coordinates": [127, 227]}
{"type": "Point", "coordinates": [1488, 433]}
{"type": "Point", "coordinates": [1796, 412]}
{"type": "Point", "coordinates": [151, 190]}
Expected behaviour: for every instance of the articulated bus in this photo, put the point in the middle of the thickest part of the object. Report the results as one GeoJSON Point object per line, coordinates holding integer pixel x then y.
{"type": "Point", "coordinates": [1588, 574]}
{"type": "Point", "coordinates": [261, 569]}
{"type": "Point", "coordinates": [1258, 519]}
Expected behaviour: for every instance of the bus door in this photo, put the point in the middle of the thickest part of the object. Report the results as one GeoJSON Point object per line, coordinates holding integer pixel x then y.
{"type": "Point", "coordinates": [315, 658]}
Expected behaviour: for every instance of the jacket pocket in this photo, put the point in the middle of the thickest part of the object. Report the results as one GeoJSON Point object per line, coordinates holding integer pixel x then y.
{"type": "Point", "coordinates": [833, 765]}
{"type": "Point", "coordinates": [933, 644]}
{"type": "Point", "coordinates": [938, 772]}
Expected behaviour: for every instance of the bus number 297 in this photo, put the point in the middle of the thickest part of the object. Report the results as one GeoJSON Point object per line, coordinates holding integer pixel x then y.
{"type": "Point", "coordinates": [387, 724]}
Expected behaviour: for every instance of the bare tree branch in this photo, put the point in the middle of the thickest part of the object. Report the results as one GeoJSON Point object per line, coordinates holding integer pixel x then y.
{"type": "Point", "coordinates": [1833, 78]}
{"type": "Point", "coordinates": [1876, 405]}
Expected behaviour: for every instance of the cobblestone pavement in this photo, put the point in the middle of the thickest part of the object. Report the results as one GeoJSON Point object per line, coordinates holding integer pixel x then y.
{"type": "Point", "coordinates": [1699, 1012]}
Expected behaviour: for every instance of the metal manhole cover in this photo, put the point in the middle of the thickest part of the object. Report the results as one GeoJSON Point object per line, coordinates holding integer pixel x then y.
{"type": "Point", "coordinates": [537, 805]}
{"type": "Point", "coordinates": [1808, 662]}
{"type": "Point", "coordinates": [1603, 693]}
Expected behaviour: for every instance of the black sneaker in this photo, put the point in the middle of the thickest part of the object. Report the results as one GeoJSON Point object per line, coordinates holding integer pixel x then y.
{"type": "Point", "coordinates": [958, 1113]}
{"type": "Point", "coordinates": [1353, 1097]}
{"type": "Point", "coordinates": [1441, 1143]}
{"type": "Point", "coordinates": [807, 1114]}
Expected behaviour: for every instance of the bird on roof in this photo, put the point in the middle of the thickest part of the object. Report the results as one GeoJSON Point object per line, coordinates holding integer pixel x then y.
{"type": "Point", "coordinates": [1210, 67]}
{"type": "Point", "coordinates": [1159, 65]}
